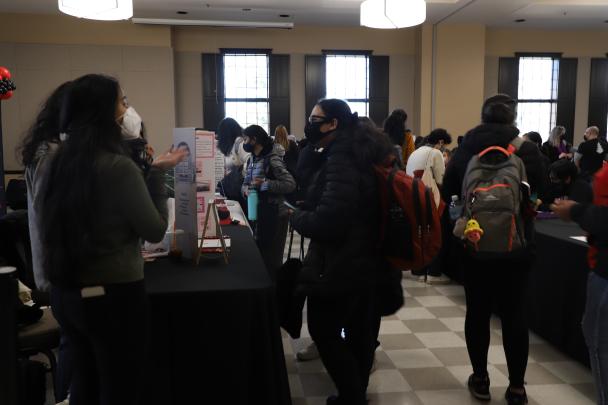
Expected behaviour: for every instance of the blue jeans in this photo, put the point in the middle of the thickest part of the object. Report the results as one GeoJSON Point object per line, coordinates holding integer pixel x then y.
{"type": "Point", "coordinates": [595, 329]}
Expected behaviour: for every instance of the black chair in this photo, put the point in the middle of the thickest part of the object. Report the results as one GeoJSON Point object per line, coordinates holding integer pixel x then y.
{"type": "Point", "coordinates": [15, 247]}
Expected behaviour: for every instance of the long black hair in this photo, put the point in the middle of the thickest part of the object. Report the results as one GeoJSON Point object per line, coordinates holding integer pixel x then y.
{"type": "Point", "coordinates": [88, 117]}
{"type": "Point", "coordinates": [394, 126]}
{"type": "Point", "coordinates": [45, 127]}
{"type": "Point", "coordinates": [227, 132]}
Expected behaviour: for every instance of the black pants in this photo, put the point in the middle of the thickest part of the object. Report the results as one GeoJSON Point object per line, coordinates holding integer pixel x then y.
{"type": "Point", "coordinates": [348, 360]}
{"type": "Point", "coordinates": [499, 285]}
{"type": "Point", "coordinates": [65, 367]}
{"type": "Point", "coordinates": [108, 337]}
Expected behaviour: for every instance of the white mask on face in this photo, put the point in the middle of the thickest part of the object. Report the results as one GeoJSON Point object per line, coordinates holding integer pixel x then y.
{"type": "Point", "coordinates": [131, 124]}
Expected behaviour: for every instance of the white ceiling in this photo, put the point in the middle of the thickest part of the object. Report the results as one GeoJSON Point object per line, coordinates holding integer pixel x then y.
{"type": "Point", "coordinates": [563, 14]}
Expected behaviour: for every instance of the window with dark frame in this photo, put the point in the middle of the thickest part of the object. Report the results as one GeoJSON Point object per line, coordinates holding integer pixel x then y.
{"type": "Point", "coordinates": [246, 87]}
{"type": "Point", "coordinates": [347, 78]}
{"type": "Point", "coordinates": [537, 100]}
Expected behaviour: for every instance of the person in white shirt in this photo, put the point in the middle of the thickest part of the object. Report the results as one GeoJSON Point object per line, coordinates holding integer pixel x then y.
{"type": "Point", "coordinates": [430, 156]}
{"type": "Point", "coordinates": [427, 164]}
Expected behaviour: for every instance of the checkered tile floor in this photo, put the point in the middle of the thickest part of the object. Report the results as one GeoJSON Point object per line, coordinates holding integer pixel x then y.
{"type": "Point", "coordinates": [423, 359]}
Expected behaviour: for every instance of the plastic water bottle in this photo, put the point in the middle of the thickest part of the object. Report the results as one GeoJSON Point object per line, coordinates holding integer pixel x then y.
{"type": "Point", "coordinates": [455, 208]}
{"type": "Point", "coordinates": [252, 205]}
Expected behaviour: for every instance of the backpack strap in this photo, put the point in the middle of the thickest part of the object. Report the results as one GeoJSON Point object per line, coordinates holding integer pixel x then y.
{"type": "Point", "coordinates": [389, 183]}
{"type": "Point", "coordinates": [416, 197]}
{"type": "Point", "coordinates": [429, 208]}
{"type": "Point", "coordinates": [494, 148]}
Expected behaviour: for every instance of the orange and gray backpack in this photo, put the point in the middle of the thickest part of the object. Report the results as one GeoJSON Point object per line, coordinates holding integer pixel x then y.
{"type": "Point", "coordinates": [494, 194]}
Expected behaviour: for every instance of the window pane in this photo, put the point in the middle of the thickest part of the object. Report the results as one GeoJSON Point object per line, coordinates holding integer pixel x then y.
{"type": "Point", "coordinates": [248, 113]}
{"type": "Point", "coordinates": [359, 107]}
{"type": "Point", "coordinates": [538, 78]}
{"type": "Point", "coordinates": [539, 117]}
{"type": "Point", "coordinates": [246, 76]}
{"type": "Point", "coordinates": [347, 76]}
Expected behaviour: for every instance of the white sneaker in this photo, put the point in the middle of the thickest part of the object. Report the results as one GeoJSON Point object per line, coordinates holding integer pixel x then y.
{"type": "Point", "coordinates": [411, 276]}
{"type": "Point", "coordinates": [310, 352]}
{"type": "Point", "coordinates": [442, 279]}
{"type": "Point", "coordinates": [66, 402]}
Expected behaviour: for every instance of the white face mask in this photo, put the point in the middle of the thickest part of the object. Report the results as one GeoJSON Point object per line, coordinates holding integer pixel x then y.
{"type": "Point", "coordinates": [131, 124]}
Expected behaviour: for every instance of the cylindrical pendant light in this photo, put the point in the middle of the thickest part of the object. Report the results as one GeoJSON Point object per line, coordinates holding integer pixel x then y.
{"type": "Point", "coordinates": [98, 9]}
{"type": "Point", "coordinates": [392, 13]}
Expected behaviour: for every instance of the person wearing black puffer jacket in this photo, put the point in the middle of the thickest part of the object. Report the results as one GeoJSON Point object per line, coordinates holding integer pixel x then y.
{"type": "Point", "coordinates": [496, 283]}
{"type": "Point", "coordinates": [340, 215]}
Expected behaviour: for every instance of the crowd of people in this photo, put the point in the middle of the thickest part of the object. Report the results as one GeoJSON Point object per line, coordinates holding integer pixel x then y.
{"type": "Point", "coordinates": [95, 191]}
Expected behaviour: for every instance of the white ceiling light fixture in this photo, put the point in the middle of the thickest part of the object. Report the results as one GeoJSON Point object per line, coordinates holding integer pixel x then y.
{"type": "Point", "coordinates": [106, 10]}
{"type": "Point", "coordinates": [388, 14]}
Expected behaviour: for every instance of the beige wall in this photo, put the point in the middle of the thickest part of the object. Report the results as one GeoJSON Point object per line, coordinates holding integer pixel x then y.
{"type": "Point", "coordinates": [304, 40]}
{"type": "Point", "coordinates": [459, 88]}
{"type": "Point", "coordinates": [505, 42]}
{"type": "Point", "coordinates": [424, 80]}
{"type": "Point", "coordinates": [53, 50]}
{"type": "Point", "coordinates": [60, 29]}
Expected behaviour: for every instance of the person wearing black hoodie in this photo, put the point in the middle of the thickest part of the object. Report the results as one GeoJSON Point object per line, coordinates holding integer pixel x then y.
{"type": "Point", "coordinates": [490, 283]}
{"type": "Point", "coordinates": [340, 215]}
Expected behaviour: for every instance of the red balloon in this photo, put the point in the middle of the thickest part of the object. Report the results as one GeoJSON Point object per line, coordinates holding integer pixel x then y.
{"type": "Point", "coordinates": [4, 73]}
{"type": "Point", "coordinates": [6, 95]}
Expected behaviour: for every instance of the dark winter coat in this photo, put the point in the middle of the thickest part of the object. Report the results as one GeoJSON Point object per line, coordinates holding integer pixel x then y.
{"type": "Point", "coordinates": [340, 215]}
{"type": "Point", "coordinates": [483, 137]}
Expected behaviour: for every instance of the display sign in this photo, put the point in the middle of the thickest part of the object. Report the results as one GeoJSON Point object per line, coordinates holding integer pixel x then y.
{"type": "Point", "coordinates": [195, 180]}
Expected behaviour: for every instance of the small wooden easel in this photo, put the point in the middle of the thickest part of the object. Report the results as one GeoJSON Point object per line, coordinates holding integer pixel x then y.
{"type": "Point", "coordinates": [212, 210]}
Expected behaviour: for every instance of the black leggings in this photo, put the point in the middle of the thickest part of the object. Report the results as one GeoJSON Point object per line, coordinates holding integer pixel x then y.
{"type": "Point", "coordinates": [107, 337]}
{"type": "Point", "coordinates": [348, 360]}
{"type": "Point", "coordinates": [500, 286]}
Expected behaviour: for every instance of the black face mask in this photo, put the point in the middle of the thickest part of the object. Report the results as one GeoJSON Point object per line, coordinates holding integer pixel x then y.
{"type": "Point", "coordinates": [313, 133]}
{"type": "Point", "coordinates": [248, 147]}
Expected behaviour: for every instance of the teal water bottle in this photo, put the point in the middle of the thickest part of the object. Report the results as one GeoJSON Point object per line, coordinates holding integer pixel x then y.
{"type": "Point", "coordinates": [252, 205]}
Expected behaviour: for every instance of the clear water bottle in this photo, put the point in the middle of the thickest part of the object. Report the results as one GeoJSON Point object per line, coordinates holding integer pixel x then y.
{"type": "Point", "coordinates": [455, 208]}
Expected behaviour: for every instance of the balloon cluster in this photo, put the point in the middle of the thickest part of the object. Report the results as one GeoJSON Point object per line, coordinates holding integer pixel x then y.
{"type": "Point", "coordinates": [6, 84]}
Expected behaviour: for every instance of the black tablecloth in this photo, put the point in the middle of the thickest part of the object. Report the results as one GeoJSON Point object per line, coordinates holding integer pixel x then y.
{"type": "Point", "coordinates": [215, 337]}
{"type": "Point", "coordinates": [558, 283]}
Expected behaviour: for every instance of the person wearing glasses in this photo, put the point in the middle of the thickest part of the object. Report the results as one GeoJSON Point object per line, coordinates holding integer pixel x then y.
{"type": "Point", "coordinates": [340, 215]}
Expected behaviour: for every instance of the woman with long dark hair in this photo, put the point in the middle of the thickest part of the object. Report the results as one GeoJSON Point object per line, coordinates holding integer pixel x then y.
{"type": "Point", "coordinates": [37, 151]}
{"type": "Point", "coordinates": [229, 136]}
{"type": "Point", "coordinates": [97, 207]}
{"type": "Point", "coordinates": [341, 216]}
{"type": "Point", "coordinates": [394, 127]}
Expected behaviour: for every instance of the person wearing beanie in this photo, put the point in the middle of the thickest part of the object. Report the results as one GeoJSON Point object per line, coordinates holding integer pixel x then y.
{"type": "Point", "coordinates": [495, 282]}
